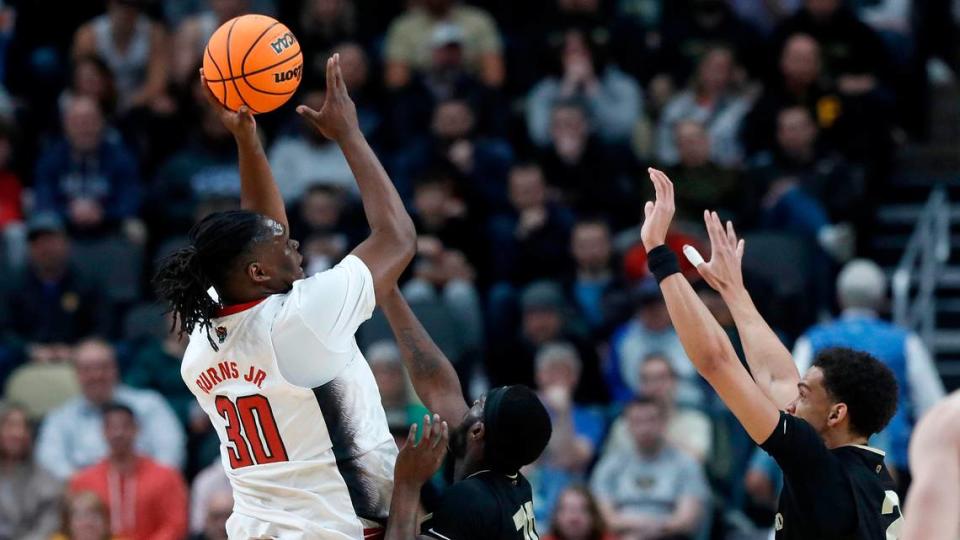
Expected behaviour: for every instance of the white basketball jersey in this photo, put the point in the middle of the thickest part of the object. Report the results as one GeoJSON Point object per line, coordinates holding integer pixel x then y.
{"type": "Point", "coordinates": [303, 435]}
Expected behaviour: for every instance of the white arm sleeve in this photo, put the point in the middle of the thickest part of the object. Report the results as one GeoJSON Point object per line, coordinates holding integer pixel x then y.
{"type": "Point", "coordinates": [926, 388]}
{"type": "Point", "coordinates": [334, 303]}
{"type": "Point", "coordinates": [803, 354]}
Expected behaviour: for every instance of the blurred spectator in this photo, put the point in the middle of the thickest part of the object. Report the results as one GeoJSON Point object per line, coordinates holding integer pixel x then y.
{"type": "Point", "coordinates": [156, 366]}
{"type": "Point", "coordinates": [219, 507]}
{"type": "Point", "coordinates": [577, 429]}
{"type": "Point", "coordinates": [447, 78]}
{"type": "Point", "coordinates": [763, 482]}
{"type": "Point", "coordinates": [480, 163]}
{"type": "Point", "coordinates": [589, 175]}
{"type": "Point", "coordinates": [767, 14]}
{"type": "Point", "coordinates": [687, 428]}
{"type": "Point", "coordinates": [577, 517]}
{"type": "Point", "coordinates": [192, 34]}
{"type": "Point", "coordinates": [698, 26]}
{"type": "Point", "coordinates": [321, 26]}
{"type": "Point", "coordinates": [12, 249]}
{"type": "Point", "coordinates": [861, 292]}
{"type": "Point", "coordinates": [322, 221]}
{"type": "Point", "coordinates": [544, 319]}
{"type": "Point", "coordinates": [649, 332]}
{"type": "Point", "coordinates": [533, 240]}
{"type": "Point", "coordinates": [398, 403]}
{"type": "Point", "coordinates": [146, 499]}
{"type": "Point", "coordinates": [854, 56]}
{"type": "Point", "coordinates": [702, 183]}
{"type": "Point", "coordinates": [72, 436]}
{"type": "Point", "coordinates": [798, 82]}
{"type": "Point", "coordinates": [614, 100]}
{"type": "Point", "coordinates": [407, 49]}
{"type": "Point", "coordinates": [134, 47]}
{"type": "Point", "coordinates": [714, 100]}
{"type": "Point", "coordinates": [208, 483]}
{"type": "Point", "coordinates": [655, 491]}
{"type": "Point", "coordinates": [307, 158]}
{"type": "Point", "coordinates": [47, 306]}
{"type": "Point", "coordinates": [802, 160]}
{"type": "Point", "coordinates": [88, 177]}
{"type": "Point", "coordinates": [204, 169]}
{"type": "Point", "coordinates": [91, 78]}
{"type": "Point", "coordinates": [85, 517]}
{"type": "Point", "coordinates": [596, 286]}
{"type": "Point", "coordinates": [441, 213]}
{"type": "Point", "coordinates": [29, 495]}
{"type": "Point", "coordinates": [445, 276]}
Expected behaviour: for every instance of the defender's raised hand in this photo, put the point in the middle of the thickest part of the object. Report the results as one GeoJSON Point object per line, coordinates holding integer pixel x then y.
{"type": "Point", "coordinates": [416, 463]}
{"type": "Point", "coordinates": [657, 214]}
{"type": "Point", "coordinates": [723, 271]}
{"type": "Point", "coordinates": [240, 122]}
{"type": "Point", "coordinates": [337, 119]}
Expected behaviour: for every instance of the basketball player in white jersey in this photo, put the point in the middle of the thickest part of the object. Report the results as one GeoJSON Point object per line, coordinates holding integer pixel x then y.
{"type": "Point", "coordinates": [274, 362]}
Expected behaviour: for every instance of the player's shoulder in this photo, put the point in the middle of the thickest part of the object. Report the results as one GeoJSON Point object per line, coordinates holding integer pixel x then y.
{"type": "Point", "coordinates": [940, 426]}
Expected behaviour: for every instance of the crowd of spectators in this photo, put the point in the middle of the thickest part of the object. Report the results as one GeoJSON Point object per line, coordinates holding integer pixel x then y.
{"type": "Point", "coordinates": [518, 134]}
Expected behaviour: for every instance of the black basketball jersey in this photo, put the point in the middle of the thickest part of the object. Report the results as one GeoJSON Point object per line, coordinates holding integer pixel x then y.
{"type": "Point", "coordinates": [484, 506]}
{"type": "Point", "coordinates": [844, 494]}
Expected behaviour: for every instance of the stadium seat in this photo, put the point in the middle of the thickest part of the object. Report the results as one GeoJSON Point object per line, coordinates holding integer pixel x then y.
{"type": "Point", "coordinates": [42, 387]}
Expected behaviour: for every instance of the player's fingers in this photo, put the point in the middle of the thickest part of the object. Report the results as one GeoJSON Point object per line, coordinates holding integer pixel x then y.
{"type": "Point", "coordinates": [657, 186]}
{"type": "Point", "coordinates": [692, 255]}
{"type": "Point", "coordinates": [647, 210]}
{"type": "Point", "coordinates": [740, 246]}
{"type": "Point", "coordinates": [331, 82]}
{"type": "Point", "coordinates": [667, 184]}
{"type": "Point", "coordinates": [341, 86]}
{"type": "Point", "coordinates": [308, 113]}
{"type": "Point", "coordinates": [711, 233]}
{"type": "Point", "coordinates": [441, 433]}
{"type": "Point", "coordinates": [427, 428]}
{"type": "Point", "coordinates": [731, 236]}
{"type": "Point", "coordinates": [412, 435]}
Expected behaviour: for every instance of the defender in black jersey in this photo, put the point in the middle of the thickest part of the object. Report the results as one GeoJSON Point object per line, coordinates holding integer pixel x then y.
{"type": "Point", "coordinates": [817, 427]}
{"type": "Point", "coordinates": [489, 442]}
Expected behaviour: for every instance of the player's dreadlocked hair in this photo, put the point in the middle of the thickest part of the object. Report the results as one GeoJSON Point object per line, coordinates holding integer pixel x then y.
{"type": "Point", "coordinates": [185, 275]}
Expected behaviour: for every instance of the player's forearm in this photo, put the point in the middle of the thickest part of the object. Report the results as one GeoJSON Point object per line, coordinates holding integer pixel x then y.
{"type": "Point", "coordinates": [258, 190]}
{"type": "Point", "coordinates": [702, 337]}
{"type": "Point", "coordinates": [769, 360]}
{"type": "Point", "coordinates": [382, 205]}
{"type": "Point", "coordinates": [434, 379]}
{"type": "Point", "coordinates": [402, 524]}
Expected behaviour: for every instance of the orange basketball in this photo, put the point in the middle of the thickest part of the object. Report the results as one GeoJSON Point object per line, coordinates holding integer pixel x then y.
{"type": "Point", "coordinates": [253, 60]}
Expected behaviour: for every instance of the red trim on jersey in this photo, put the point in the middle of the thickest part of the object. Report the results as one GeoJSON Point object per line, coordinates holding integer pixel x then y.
{"type": "Point", "coordinates": [374, 534]}
{"type": "Point", "coordinates": [237, 308]}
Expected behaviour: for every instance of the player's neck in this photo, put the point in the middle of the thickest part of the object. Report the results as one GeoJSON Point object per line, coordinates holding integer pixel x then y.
{"type": "Point", "coordinates": [836, 440]}
{"type": "Point", "coordinates": [123, 463]}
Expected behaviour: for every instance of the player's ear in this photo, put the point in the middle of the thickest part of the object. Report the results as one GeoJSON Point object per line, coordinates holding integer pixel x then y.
{"type": "Point", "coordinates": [837, 414]}
{"type": "Point", "coordinates": [477, 431]}
{"type": "Point", "coordinates": [256, 272]}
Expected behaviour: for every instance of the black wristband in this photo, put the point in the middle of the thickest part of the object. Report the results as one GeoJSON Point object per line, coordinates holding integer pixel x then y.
{"type": "Point", "coordinates": [662, 262]}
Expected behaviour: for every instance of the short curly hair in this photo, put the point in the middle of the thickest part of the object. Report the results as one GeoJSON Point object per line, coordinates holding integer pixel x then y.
{"type": "Point", "coordinates": [863, 383]}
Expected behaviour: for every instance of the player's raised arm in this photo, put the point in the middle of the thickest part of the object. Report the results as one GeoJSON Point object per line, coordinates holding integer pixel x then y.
{"type": "Point", "coordinates": [931, 510]}
{"type": "Point", "coordinates": [392, 241]}
{"type": "Point", "coordinates": [416, 463]}
{"type": "Point", "coordinates": [432, 374]}
{"type": "Point", "coordinates": [258, 190]}
{"type": "Point", "coordinates": [705, 342]}
{"type": "Point", "coordinates": [770, 362]}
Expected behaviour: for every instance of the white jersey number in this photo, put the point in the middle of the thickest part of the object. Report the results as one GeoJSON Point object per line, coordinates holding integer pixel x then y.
{"type": "Point", "coordinates": [891, 507]}
{"type": "Point", "coordinates": [523, 519]}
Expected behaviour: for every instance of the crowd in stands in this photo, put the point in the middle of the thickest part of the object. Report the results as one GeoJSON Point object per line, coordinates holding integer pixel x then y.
{"type": "Point", "coordinates": [518, 135]}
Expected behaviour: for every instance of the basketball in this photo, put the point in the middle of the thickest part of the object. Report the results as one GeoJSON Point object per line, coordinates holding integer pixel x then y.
{"type": "Point", "coordinates": [253, 60]}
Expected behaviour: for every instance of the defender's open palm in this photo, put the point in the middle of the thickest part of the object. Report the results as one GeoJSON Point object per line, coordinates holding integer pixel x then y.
{"type": "Point", "coordinates": [416, 463]}
{"type": "Point", "coordinates": [657, 214]}
{"type": "Point", "coordinates": [723, 271]}
{"type": "Point", "coordinates": [337, 118]}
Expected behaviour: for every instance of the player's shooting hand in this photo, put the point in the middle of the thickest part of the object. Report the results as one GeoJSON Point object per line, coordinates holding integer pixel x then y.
{"type": "Point", "coordinates": [239, 123]}
{"type": "Point", "coordinates": [337, 119]}
{"type": "Point", "coordinates": [416, 463]}
{"type": "Point", "coordinates": [657, 214]}
{"type": "Point", "coordinates": [723, 271]}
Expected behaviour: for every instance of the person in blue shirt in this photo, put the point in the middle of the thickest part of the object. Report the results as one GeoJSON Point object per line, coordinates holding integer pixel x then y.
{"type": "Point", "coordinates": [861, 291]}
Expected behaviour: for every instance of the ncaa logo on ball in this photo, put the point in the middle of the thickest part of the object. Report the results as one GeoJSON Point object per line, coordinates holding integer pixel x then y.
{"type": "Point", "coordinates": [283, 42]}
{"type": "Point", "coordinates": [288, 75]}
